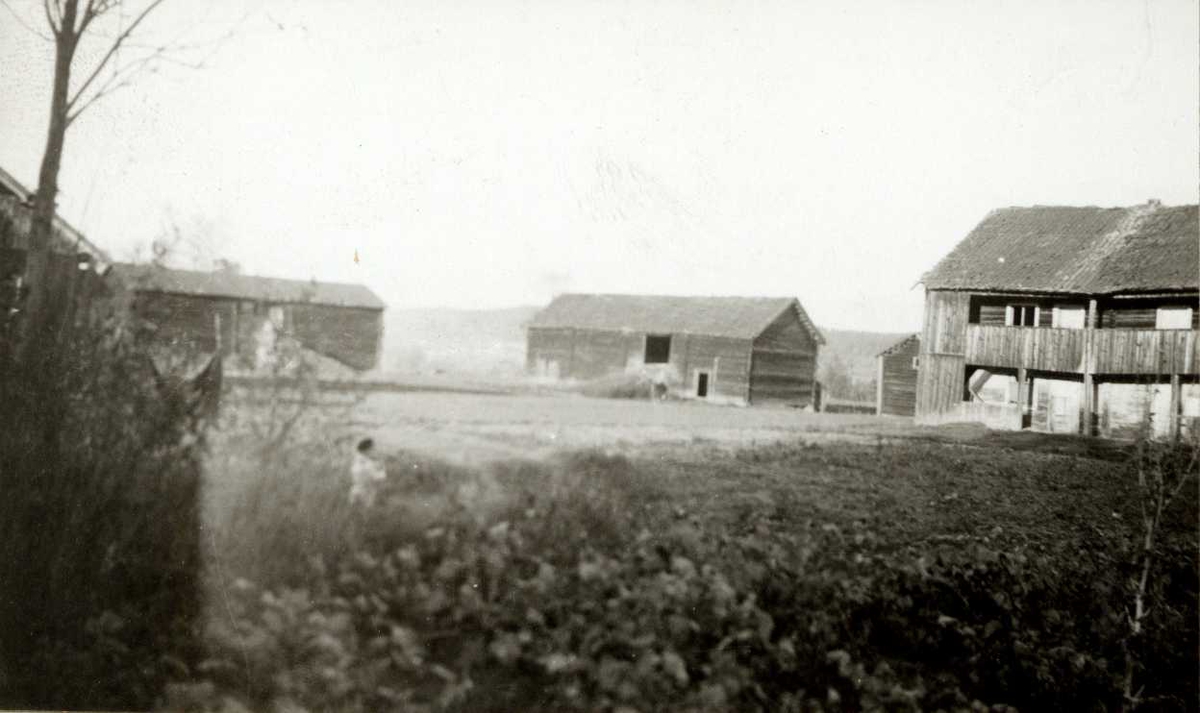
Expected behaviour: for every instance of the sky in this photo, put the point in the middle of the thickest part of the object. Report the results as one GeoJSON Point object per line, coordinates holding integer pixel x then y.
{"type": "Point", "coordinates": [493, 153]}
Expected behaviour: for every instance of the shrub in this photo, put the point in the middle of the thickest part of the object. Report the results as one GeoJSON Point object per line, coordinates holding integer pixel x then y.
{"type": "Point", "coordinates": [99, 529]}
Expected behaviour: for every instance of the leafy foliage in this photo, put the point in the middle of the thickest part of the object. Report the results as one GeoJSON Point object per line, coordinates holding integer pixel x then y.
{"type": "Point", "coordinates": [590, 584]}
{"type": "Point", "coordinates": [99, 522]}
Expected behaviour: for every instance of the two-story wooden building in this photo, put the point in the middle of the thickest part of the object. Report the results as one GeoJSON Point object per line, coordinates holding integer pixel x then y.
{"type": "Point", "coordinates": [740, 350]}
{"type": "Point", "coordinates": [1066, 319]}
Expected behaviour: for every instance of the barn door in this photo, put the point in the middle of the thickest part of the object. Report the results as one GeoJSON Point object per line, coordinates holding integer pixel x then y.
{"type": "Point", "coordinates": [702, 385]}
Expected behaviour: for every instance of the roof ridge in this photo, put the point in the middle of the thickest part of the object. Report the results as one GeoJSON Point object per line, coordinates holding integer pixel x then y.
{"type": "Point", "coordinates": [647, 295]}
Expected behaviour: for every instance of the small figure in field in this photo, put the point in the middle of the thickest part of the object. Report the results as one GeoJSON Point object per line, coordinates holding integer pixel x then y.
{"type": "Point", "coordinates": [365, 474]}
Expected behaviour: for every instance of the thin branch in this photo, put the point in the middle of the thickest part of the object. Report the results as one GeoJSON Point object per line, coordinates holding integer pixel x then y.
{"type": "Point", "coordinates": [55, 27]}
{"type": "Point", "coordinates": [90, 12]}
{"type": "Point", "coordinates": [124, 76]}
{"type": "Point", "coordinates": [23, 22]}
{"type": "Point", "coordinates": [112, 50]}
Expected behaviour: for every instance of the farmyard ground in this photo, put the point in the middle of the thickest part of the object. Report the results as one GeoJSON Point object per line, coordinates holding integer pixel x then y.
{"type": "Point", "coordinates": [688, 558]}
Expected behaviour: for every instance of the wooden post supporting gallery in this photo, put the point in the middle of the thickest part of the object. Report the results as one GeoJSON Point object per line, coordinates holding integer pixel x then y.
{"type": "Point", "coordinates": [1088, 402]}
{"type": "Point", "coordinates": [1023, 393]}
{"type": "Point", "coordinates": [1175, 407]}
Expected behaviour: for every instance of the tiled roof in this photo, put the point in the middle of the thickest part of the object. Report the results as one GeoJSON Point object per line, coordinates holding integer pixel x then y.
{"type": "Point", "coordinates": [1077, 250]}
{"type": "Point", "coordinates": [737, 317]}
{"type": "Point", "coordinates": [148, 278]}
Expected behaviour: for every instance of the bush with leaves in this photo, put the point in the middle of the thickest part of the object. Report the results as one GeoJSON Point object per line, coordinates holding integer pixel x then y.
{"type": "Point", "coordinates": [99, 521]}
{"type": "Point", "coordinates": [579, 584]}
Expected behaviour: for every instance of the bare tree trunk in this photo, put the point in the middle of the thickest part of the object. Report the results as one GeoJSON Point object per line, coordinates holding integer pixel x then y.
{"type": "Point", "coordinates": [35, 329]}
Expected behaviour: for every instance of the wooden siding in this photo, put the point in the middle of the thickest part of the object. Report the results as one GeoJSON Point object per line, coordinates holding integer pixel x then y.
{"type": "Point", "coordinates": [994, 314]}
{"type": "Point", "coordinates": [941, 373]}
{"type": "Point", "coordinates": [945, 323]}
{"type": "Point", "coordinates": [1142, 314]}
{"type": "Point", "coordinates": [588, 354]}
{"type": "Point", "coordinates": [898, 381]}
{"type": "Point", "coordinates": [73, 293]}
{"type": "Point", "coordinates": [728, 361]}
{"type": "Point", "coordinates": [188, 323]}
{"type": "Point", "coordinates": [783, 363]}
{"type": "Point", "coordinates": [351, 336]}
{"type": "Point", "coordinates": [1040, 348]}
{"type": "Point", "coordinates": [548, 351]}
{"type": "Point", "coordinates": [584, 353]}
{"type": "Point", "coordinates": [940, 383]}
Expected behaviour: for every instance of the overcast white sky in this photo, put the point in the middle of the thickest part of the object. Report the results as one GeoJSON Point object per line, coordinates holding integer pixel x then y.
{"type": "Point", "coordinates": [492, 153]}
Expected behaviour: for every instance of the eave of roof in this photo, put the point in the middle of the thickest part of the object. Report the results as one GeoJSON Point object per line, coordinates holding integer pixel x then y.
{"type": "Point", "coordinates": [148, 278]}
{"type": "Point", "coordinates": [732, 317]}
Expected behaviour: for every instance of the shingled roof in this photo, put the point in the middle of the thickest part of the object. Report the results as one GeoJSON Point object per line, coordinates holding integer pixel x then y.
{"type": "Point", "coordinates": [1096, 251]}
{"type": "Point", "coordinates": [737, 317]}
{"type": "Point", "coordinates": [149, 278]}
{"type": "Point", "coordinates": [900, 345]}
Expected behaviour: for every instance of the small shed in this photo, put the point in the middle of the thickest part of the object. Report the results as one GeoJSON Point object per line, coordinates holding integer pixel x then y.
{"type": "Point", "coordinates": [741, 350]}
{"type": "Point", "coordinates": [896, 378]}
{"type": "Point", "coordinates": [198, 311]}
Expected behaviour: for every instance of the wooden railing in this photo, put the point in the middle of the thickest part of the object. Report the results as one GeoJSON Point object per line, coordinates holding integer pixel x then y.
{"type": "Point", "coordinates": [1110, 351]}
{"type": "Point", "coordinates": [1145, 351]}
{"type": "Point", "coordinates": [1029, 347]}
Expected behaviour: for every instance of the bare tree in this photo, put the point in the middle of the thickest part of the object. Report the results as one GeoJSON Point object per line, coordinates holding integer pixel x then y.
{"type": "Point", "coordinates": [69, 22]}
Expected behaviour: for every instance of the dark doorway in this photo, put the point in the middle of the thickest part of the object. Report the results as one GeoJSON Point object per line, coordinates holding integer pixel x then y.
{"type": "Point", "coordinates": [702, 385]}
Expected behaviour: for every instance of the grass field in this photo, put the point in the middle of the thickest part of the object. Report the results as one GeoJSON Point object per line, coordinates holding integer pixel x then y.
{"type": "Point", "coordinates": [564, 553]}
{"type": "Point", "coordinates": [477, 428]}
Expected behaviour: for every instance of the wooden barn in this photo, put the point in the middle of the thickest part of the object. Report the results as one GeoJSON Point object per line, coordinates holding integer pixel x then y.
{"type": "Point", "coordinates": [195, 311]}
{"type": "Point", "coordinates": [896, 378]}
{"type": "Point", "coordinates": [74, 266]}
{"type": "Point", "coordinates": [739, 350]}
{"type": "Point", "coordinates": [1067, 319]}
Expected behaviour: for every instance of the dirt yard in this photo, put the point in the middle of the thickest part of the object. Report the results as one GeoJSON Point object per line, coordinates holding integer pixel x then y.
{"type": "Point", "coordinates": [476, 427]}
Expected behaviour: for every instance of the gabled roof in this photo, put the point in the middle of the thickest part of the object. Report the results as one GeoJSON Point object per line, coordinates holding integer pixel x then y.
{"type": "Point", "coordinates": [900, 345]}
{"type": "Point", "coordinates": [737, 317]}
{"type": "Point", "coordinates": [15, 201]}
{"type": "Point", "coordinates": [1089, 250]}
{"type": "Point", "coordinates": [151, 278]}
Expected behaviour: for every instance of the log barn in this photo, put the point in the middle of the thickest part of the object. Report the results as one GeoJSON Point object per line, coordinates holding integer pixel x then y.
{"type": "Point", "coordinates": [195, 312]}
{"type": "Point", "coordinates": [896, 378]}
{"type": "Point", "coordinates": [737, 350]}
{"type": "Point", "coordinates": [1067, 319]}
